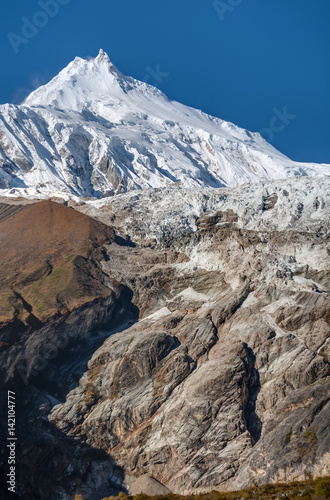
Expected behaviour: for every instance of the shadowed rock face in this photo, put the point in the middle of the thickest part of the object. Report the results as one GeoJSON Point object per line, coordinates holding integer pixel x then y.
{"type": "Point", "coordinates": [222, 376]}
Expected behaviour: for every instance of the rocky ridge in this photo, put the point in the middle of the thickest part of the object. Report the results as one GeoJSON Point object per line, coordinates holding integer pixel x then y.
{"type": "Point", "coordinates": [53, 295]}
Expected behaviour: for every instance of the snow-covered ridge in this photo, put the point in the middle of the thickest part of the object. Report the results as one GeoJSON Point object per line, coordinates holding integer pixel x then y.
{"type": "Point", "coordinates": [91, 131]}
{"type": "Point", "coordinates": [85, 83]}
{"type": "Point", "coordinates": [298, 204]}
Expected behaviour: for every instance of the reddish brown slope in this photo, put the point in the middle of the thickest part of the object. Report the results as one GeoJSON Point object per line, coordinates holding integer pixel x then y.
{"type": "Point", "coordinates": [47, 261]}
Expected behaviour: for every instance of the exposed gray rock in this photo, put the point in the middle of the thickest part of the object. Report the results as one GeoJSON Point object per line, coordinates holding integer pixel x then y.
{"type": "Point", "coordinates": [148, 485]}
{"type": "Point", "coordinates": [240, 393]}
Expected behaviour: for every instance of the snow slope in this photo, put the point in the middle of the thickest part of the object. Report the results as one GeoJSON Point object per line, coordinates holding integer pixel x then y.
{"type": "Point", "coordinates": [92, 131]}
{"type": "Point", "coordinates": [300, 204]}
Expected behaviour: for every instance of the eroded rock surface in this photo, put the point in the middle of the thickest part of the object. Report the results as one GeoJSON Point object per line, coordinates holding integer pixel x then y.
{"type": "Point", "coordinates": [225, 378]}
{"type": "Point", "coordinates": [197, 352]}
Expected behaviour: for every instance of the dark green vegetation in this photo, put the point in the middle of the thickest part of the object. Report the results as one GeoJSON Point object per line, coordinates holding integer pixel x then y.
{"type": "Point", "coordinates": [308, 490]}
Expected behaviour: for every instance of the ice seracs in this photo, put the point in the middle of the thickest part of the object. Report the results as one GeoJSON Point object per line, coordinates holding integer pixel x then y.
{"type": "Point", "coordinates": [92, 131]}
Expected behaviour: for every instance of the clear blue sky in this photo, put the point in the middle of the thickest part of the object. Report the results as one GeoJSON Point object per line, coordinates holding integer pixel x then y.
{"type": "Point", "coordinates": [238, 64]}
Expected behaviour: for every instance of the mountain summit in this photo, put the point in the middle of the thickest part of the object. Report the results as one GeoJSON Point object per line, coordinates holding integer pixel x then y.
{"type": "Point", "coordinates": [84, 82]}
{"type": "Point", "coordinates": [91, 131]}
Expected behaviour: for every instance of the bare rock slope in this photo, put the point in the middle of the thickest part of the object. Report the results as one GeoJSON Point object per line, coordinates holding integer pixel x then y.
{"type": "Point", "coordinates": [182, 344]}
{"type": "Point", "coordinates": [224, 380]}
{"type": "Point", "coordinates": [53, 294]}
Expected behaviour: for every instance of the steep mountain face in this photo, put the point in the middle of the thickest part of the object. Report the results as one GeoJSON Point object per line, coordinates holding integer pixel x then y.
{"type": "Point", "coordinates": [225, 378]}
{"type": "Point", "coordinates": [49, 271]}
{"type": "Point", "coordinates": [213, 369]}
{"type": "Point", "coordinates": [92, 131]}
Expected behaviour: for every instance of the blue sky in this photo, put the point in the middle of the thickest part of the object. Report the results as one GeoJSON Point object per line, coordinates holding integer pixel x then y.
{"type": "Point", "coordinates": [244, 61]}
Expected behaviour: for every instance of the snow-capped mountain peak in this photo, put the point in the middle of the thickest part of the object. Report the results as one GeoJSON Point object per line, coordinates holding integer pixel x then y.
{"type": "Point", "coordinates": [103, 56]}
{"type": "Point", "coordinates": [82, 81]}
{"type": "Point", "coordinates": [92, 131]}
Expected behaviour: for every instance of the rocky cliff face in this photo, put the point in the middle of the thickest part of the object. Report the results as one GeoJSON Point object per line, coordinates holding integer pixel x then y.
{"type": "Point", "coordinates": [226, 382]}
{"type": "Point", "coordinates": [222, 376]}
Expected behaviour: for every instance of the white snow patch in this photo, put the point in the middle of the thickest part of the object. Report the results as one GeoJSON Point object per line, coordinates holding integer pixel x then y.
{"type": "Point", "coordinates": [158, 314]}
{"type": "Point", "coordinates": [190, 293]}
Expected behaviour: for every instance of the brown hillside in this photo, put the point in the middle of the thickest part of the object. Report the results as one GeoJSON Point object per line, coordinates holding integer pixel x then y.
{"type": "Point", "coordinates": [46, 260]}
